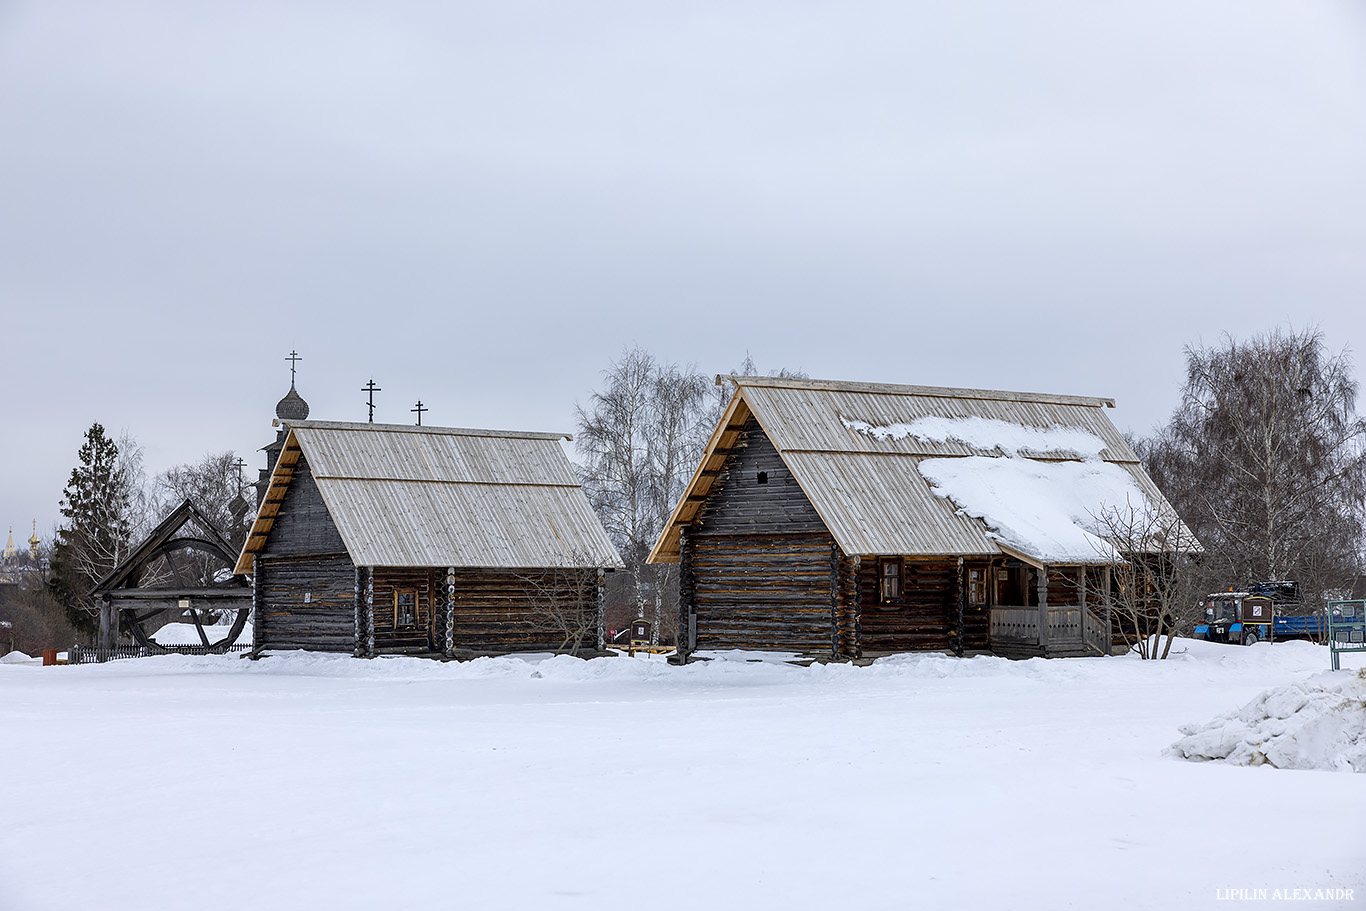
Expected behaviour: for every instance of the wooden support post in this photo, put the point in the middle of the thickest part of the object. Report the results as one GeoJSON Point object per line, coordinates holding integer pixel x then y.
{"type": "Point", "coordinates": [258, 600]}
{"type": "Point", "coordinates": [962, 601]}
{"type": "Point", "coordinates": [1042, 588]}
{"type": "Point", "coordinates": [449, 643]}
{"type": "Point", "coordinates": [856, 598]}
{"type": "Point", "coordinates": [102, 652]}
{"type": "Point", "coordinates": [358, 616]}
{"type": "Point", "coordinates": [369, 612]}
{"type": "Point", "coordinates": [835, 651]}
{"type": "Point", "coordinates": [601, 606]}
{"type": "Point", "coordinates": [687, 628]}
{"type": "Point", "coordinates": [1109, 623]}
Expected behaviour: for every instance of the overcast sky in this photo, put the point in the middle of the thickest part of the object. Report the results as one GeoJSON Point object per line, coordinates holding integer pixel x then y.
{"type": "Point", "coordinates": [480, 203]}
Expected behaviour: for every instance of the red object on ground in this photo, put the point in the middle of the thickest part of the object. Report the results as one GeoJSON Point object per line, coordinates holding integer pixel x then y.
{"type": "Point", "coordinates": [49, 656]}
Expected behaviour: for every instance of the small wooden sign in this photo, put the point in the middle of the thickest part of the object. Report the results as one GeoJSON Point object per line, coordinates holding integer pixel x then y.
{"type": "Point", "coordinates": [640, 632]}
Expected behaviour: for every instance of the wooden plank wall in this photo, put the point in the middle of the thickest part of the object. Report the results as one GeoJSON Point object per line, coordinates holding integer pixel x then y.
{"type": "Point", "coordinates": [495, 610]}
{"type": "Point", "coordinates": [304, 556]}
{"type": "Point", "coordinates": [417, 639]}
{"type": "Point", "coordinates": [325, 622]}
{"type": "Point", "coordinates": [762, 592]}
{"type": "Point", "coordinates": [926, 617]}
{"type": "Point", "coordinates": [760, 556]}
{"type": "Point", "coordinates": [303, 524]}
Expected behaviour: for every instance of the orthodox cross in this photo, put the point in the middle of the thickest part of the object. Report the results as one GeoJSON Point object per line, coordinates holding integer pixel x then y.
{"type": "Point", "coordinates": [239, 465]}
{"type": "Point", "coordinates": [419, 409]}
{"type": "Point", "coordinates": [293, 359]}
{"type": "Point", "coordinates": [371, 388]}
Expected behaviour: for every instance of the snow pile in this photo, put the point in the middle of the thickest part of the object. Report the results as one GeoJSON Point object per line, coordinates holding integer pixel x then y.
{"type": "Point", "coordinates": [989, 435]}
{"type": "Point", "coordinates": [1046, 509]}
{"type": "Point", "coordinates": [1319, 724]}
{"type": "Point", "coordinates": [185, 634]}
{"type": "Point", "coordinates": [16, 657]}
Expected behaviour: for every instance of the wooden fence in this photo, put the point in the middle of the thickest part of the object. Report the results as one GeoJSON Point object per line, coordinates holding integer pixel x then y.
{"type": "Point", "coordinates": [87, 654]}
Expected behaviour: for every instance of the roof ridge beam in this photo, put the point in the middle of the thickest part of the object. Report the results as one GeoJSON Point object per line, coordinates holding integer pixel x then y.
{"type": "Point", "coordinates": [441, 431]}
{"type": "Point", "coordinates": [945, 392]}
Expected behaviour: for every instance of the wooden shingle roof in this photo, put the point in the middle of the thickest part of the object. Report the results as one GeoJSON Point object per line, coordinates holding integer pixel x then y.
{"type": "Point", "coordinates": [403, 495]}
{"type": "Point", "coordinates": [868, 488]}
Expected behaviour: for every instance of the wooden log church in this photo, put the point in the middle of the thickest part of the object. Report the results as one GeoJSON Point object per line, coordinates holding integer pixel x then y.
{"type": "Point", "coordinates": [853, 519]}
{"type": "Point", "coordinates": [394, 539]}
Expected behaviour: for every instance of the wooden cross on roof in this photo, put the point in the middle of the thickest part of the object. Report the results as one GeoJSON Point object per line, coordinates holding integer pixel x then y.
{"type": "Point", "coordinates": [419, 409]}
{"type": "Point", "coordinates": [293, 360]}
{"type": "Point", "coordinates": [371, 388]}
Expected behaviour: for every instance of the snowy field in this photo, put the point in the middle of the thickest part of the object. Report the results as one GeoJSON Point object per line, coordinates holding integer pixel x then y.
{"type": "Point", "coordinates": [310, 782]}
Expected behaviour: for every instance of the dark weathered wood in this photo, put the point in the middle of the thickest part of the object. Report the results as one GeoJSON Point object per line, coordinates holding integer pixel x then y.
{"type": "Point", "coordinates": [306, 602]}
{"type": "Point", "coordinates": [497, 610]}
{"type": "Point", "coordinates": [448, 632]}
{"type": "Point", "coordinates": [960, 601]}
{"type": "Point", "coordinates": [303, 525]}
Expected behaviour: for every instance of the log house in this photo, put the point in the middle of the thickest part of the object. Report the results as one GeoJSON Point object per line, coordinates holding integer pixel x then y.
{"type": "Point", "coordinates": [393, 539]}
{"type": "Point", "coordinates": [810, 526]}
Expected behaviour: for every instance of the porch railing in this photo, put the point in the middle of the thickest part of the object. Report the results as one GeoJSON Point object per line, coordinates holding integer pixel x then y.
{"type": "Point", "coordinates": [1071, 623]}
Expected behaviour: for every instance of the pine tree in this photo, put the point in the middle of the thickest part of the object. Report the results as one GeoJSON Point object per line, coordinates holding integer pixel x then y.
{"type": "Point", "coordinates": [94, 538]}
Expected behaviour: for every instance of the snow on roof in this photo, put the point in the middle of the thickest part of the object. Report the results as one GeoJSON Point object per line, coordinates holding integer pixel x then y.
{"type": "Point", "coordinates": [988, 434]}
{"type": "Point", "coordinates": [874, 462]}
{"type": "Point", "coordinates": [1053, 511]}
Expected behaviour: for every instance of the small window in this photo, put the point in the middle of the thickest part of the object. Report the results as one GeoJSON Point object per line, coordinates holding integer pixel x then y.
{"type": "Point", "coordinates": [977, 586]}
{"type": "Point", "coordinates": [763, 477]}
{"type": "Point", "coordinates": [890, 581]}
{"type": "Point", "coordinates": [405, 609]}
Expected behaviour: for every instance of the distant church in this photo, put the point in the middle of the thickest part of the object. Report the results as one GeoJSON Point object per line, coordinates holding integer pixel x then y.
{"type": "Point", "coordinates": [16, 564]}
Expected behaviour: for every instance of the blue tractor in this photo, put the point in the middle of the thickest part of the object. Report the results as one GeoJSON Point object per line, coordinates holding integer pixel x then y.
{"type": "Point", "coordinates": [1256, 614]}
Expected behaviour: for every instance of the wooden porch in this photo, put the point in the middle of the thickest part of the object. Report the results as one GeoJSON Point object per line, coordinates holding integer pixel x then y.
{"type": "Point", "coordinates": [1078, 630]}
{"type": "Point", "coordinates": [1073, 632]}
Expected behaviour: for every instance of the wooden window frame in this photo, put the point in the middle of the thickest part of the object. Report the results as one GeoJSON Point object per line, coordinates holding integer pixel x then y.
{"type": "Point", "coordinates": [977, 588]}
{"type": "Point", "coordinates": [898, 577]}
{"type": "Point", "coordinates": [417, 608]}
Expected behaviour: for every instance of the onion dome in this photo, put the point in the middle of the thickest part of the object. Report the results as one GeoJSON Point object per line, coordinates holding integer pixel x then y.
{"type": "Point", "coordinates": [292, 407]}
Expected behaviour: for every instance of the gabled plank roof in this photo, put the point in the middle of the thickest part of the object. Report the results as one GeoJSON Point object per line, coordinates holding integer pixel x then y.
{"type": "Point", "coordinates": [403, 495]}
{"type": "Point", "coordinates": [164, 537]}
{"type": "Point", "coordinates": [868, 487]}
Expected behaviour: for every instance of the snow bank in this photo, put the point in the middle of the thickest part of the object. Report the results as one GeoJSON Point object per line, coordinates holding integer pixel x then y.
{"type": "Point", "coordinates": [15, 657]}
{"type": "Point", "coordinates": [1318, 724]}
{"type": "Point", "coordinates": [186, 634]}
{"type": "Point", "coordinates": [989, 435]}
{"type": "Point", "coordinates": [1046, 509]}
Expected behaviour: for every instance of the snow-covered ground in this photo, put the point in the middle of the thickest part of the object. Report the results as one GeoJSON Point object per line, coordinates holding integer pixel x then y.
{"type": "Point", "coordinates": [311, 782]}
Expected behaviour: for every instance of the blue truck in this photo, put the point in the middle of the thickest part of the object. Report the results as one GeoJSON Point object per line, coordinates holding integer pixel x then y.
{"type": "Point", "coordinates": [1257, 614]}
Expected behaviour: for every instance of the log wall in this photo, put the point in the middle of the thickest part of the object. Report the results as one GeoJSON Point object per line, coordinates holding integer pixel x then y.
{"type": "Point", "coordinates": [305, 582]}
{"type": "Point", "coordinates": [428, 626]}
{"type": "Point", "coordinates": [760, 558]}
{"type": "Point", "coordinates": [306, 602]}
{"type": "Point", "coordinates": [507, 611]}
{"type": "Point", "coordinates": [925, 618]}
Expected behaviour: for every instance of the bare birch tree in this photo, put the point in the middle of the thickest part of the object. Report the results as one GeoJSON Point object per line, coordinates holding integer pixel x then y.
{"type": "Point", "coordinates": [1266, 460]}
{"type": "Point", "coordinates": [642, 438]}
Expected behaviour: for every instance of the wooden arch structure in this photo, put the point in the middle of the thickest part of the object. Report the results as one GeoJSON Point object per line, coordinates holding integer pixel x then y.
{"type": "Point", "coordinates": [128, 598]}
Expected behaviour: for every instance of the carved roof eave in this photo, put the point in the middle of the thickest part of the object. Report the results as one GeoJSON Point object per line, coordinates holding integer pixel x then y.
{"type": "Point", "coordinates": [280, 476]}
